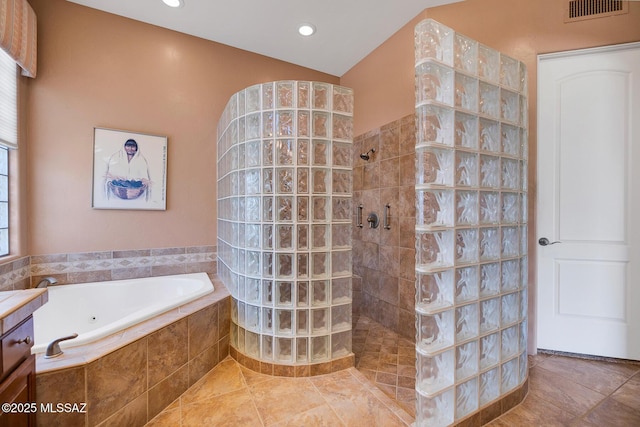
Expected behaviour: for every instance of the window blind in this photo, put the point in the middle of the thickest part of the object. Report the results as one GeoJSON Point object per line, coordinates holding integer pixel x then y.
{"type": "Point", "coordinates": [8, 101]}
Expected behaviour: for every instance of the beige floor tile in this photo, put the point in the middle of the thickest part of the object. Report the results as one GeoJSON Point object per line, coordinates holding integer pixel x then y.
{"type": "Point", "coordinates": [224, 378]}
{"type": "Point", "coordinates": [610, 413]}
{"type": "Point", "coordinates": [232, 409]}
{"type": "Point", "coordinates": [280, 398]}
{"type": "Point", "coordinates": [321, 416]}
{"type": "Point", "coordinates": [629, 393]}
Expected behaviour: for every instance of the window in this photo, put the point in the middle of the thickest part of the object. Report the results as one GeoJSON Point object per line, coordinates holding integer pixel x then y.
{"type": "Point", "coordinates": [8, 139]}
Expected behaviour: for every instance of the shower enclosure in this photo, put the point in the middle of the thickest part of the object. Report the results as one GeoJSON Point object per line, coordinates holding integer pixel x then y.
{"type": "Point", "coordinates": [471, 225]}
{"type": "Point", "coordinates": [284, 224]}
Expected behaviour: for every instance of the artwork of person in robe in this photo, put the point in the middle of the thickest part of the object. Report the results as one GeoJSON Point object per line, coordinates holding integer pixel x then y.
{"type": "Point", "coordinates": [128, 173]}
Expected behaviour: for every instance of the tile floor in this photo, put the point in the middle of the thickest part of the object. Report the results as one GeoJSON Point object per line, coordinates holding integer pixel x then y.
{"type": "Point", "coordinates": [563, 391]}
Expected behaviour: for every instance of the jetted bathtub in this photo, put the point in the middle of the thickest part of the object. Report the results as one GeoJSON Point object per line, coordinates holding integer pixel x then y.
{"type": "Point", "coordinates": [98, 309]}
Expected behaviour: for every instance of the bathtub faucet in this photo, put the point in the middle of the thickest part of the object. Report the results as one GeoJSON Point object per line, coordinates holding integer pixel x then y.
{"type": "Point", "coordinates": [53, 349]}
{"type": "Point", "coordinates": [46, 282]}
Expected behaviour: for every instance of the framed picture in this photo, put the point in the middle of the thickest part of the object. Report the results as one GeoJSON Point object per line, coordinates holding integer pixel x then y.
{"type": "Point", "coordinates": [129, 170]}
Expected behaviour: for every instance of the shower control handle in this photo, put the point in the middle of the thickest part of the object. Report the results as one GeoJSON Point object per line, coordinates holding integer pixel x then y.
{"type": "Point", "coordinates": [373, 220]}
{"type": "Point", "coordinates": [543, 241]}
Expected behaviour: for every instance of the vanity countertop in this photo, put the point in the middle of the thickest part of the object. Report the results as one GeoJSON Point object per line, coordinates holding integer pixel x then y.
{"type": "Point", "coordinates": [15, 306]}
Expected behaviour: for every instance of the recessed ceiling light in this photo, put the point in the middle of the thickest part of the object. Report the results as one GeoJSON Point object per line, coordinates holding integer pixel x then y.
{"type": "Point", "coordinates": [306, 29]}
{"type": "Point", "coordinates": [174, 3]}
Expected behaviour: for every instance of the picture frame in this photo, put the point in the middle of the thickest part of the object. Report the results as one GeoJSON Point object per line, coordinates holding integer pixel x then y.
{"type": "Point", "coordinates": [129, 170]}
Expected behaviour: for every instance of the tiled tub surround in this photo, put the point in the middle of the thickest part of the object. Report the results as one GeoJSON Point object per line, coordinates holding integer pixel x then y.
{"type": "Point", "coordinates": [471, 226]}
{"type": "Point", "coordinates": [284, 223]}
{"type": "Point", "coordinates": [131, 376]}
{"type": "Point", "coordinates": [384, 259]}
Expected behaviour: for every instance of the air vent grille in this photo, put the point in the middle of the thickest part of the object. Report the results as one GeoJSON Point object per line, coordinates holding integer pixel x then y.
{"type": "Point", "coordinates": [578, 10]}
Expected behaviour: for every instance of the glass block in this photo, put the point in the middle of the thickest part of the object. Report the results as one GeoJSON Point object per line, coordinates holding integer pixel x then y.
{"type": "Point", "coordinates": [466, 322]}
{"type": "Point", "coordinates": [489, 135]}
{"type": "Point", "coordinates": [304, 94]}
{"type": "Point", "coordinates": [466, 169]}
{"type": "Point", "coordinates": [284, 205]}
{"type": "Point", "coordinates": [252, 315]}
{"type": "Point", "coordinates": [302, 264]}
{"type": "Point", "coordinates": [524, 182]}
{"type": "Point", "coordinates": [340, 317]}
{"type": "Point", "coordinates": [267, 347]}
{"type": "Point", "coordinates": [320, 320]}
{"type": "Point", "coordinates": [465, 54]}
{"type": "Point", "coordinates": [304, 123]}
{"type": "Point", "coordinates": [510, 275]}
{"type": "Point", "coordinates": [435, 290]}
{"type": "Point", "coordinates": [321, 96]}
{"type": "Point", "coordinates": [341, 343]}
{"type": "Point", "coordinates": [509, 106]}
{"type": "Point", "coordinates": [284, 350]}
{"type": "Point", "coordinates": [434, 82]}
{"type": "Point", "coordinates": [267, 125]}
{"type": "Point", "coordinates": [303, 208]}
{"type": "Point", "coordinates": [489, 171]}
{"type": "Point", "coordinates": [510, 174]}
{"type": "Point", "coordinates": [510, 343]}
{"type": "Point", "coordinates": [433, 41]}
{"type": "Point", "coordinates": [241, 341]}
{"type": "Point", "coordinates": [252, 98]}
{"type": "Point", "coordinates": [489, 315]}
{"type": "Point", "coordinates": [252, 260]}
{"type": "Point", "coordinates": [342, 181]}
{"type": "Point", "coordinates": [341, 209]}
{"type": "Point", "coordinates": [341, 236]}
{"type": "Point", "coordinates": [284, 124]}
{"type": "Point", "coordinates": [510, 241]}
{"type": "Point", "coordinates": [437, 410]}
{"type": "Point", "coordinates": [434, 248]}
{"type": "Point", "coordinates": [320, 293]}
{"type": "Point", "coordinates": [267, 181]}
{"type": "Point", "coordinates": [320, 153]}
{"type": "Point", "coordinates": [510, 207]}
{"type": "Point", "coordinates": [489, 386]}
{"type": "Point", "coordinates": [465, 92]}
{"type": "Point", "coordinates": [284, 94]}
{"type": "Point", "coordinates": [267, 264]}
{"type": "Point", "coordinates": [342, 99]}
{"type": "Point", "coordinates": [434, 208]}
{"type": "Point", "coordinates": [285, 266]}
{"type": "Point", "coordinates": [488, 64]}
{"type": "Point", "coordinates": [341, 263]}
{"type": "Point", "coordinates": [320, 237]}
{"type": "Point", "coordinates": [466, 360]}
{"type": "Point", "coordinates": [342, 154]}
{"type": "Point", "coordinates": [341, 290]}
{"type": "Point", "coordinates": [303, 237]}
{"type": "Point", "coordinates": [524, 144]}
{"type": "Point", "coordinates": [510, 311]}
{"type": "Point", "coordinates": [302, 295]}
{"type": "Point", "coordinates": [522, 367]}
{"type": "Point", "coordinates": [253, 153]}
{"type": "Point", "coordinates": [435, 372]}
{"type": "Point", "coordinates": [489, 100]}
{"type": "Point", "coordinates": [435, 166]}
{"type": "Point", "coordinates": [489, 351]}
{"type": "Point", "coordinates": [524, 112]}
{"type": "Point", "coordinates": [303, 180]}
{"type": "Point", "coordinates": [466, 130]}
{"type": "Point", "coordinates": [252, 344]}
{"type": "Point", "coordinates": [489, 244]}
{"type": "Point", "coordinates": [320, 208]}
{"type": "Point", "coordinates": [241, 313]}
{"type": "Point", "coordinates": [435, 331]}
{"type": "Point", "coordinates": [342, 127]}
{"type": "Point", "coordinates": [466, 284]}
{"type": "Point", "coordinates": [267, 292]}
{"type": "Point", "coordinates": [252, 236]}
{"type": "Point", "coordinates": [524, 271]}
{"type": "Point", "coordinates": [319, 265]}
{"type": "Point", "coordinates": [509, 72]}
{"type": "Point", "coordinates": [285, 180]}
{"type": "Point", "coordinates": [303, 152]}
{"type": "Point", "coordinates": [509, 375]}
{"type": "Point", "coordinates": [284, 236]}
{"type": "Point", "coordinates": [284, 294]}
{"type": "Point", "coordinates": [320, 181]}
{"type": "Point", "coordinates": [466, 246]}
{"type": "Point", "coordinates": [284, 321]}
{"type": "Point", "coordinates": [434, 124]}
{"type": "Point", "coordinates": [302, 350]}
{"type": "Point", "coordinates": [253, 290]}
{"type": "Point", "coordinates": [489, 207]}
{"type": "Point", "coordinates": [267, 96]}
{"type": "Point", "coordinates": [319, 348]}
{"type": "Point", "coordinates": [320, 124]}
{"type": "Point", "coordinates": [302, 321]}
{"type": "Point", "coordinates": [523, 337]}
{"type": "Point", "coordinates": [466, 398]}
{"type": "Point", "coordinates": [284, 151]}
{"type": "Point", "coordinates": [466, 207]}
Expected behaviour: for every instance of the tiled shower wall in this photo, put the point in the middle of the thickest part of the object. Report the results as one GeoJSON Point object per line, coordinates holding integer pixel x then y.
{"type": "Point", "coordinates": [385, 259]}
{"type": "Point", "coordinates": [101, 266]}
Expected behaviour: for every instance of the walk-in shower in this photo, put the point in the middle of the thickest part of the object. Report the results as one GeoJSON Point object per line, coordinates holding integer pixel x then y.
{"type": "Point", "coordinates": [285, 223]}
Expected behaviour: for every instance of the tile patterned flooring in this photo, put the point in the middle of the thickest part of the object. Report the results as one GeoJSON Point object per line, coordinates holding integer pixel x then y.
{"type": "Point", "coordinates": [379, 391]}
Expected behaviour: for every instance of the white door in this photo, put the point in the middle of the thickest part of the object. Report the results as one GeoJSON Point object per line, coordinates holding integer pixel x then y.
{"type": "Point", "coordinates": [588, 200]}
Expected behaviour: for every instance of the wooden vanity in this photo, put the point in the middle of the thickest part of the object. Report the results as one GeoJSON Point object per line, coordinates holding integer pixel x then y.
{"type": "Point", "coordinates": [18, 378]}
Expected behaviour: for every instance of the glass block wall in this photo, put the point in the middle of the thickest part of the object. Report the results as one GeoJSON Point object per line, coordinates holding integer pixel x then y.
{"type": "Point", "coordinates": [284, 220]}
{"type": "Point", "coordinates": [471, 224]}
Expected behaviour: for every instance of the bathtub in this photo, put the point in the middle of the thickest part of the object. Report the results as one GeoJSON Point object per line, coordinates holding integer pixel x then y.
{"type": "Point", "coordinates": [98, 309]}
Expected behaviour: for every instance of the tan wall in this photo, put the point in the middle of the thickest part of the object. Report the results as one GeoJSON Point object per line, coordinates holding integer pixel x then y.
{"type": "Point", "coordinates": [101, 70]}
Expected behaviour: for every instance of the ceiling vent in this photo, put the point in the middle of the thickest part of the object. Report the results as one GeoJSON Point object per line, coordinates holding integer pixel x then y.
{"type": "Point", "coordinates": [579, 10]}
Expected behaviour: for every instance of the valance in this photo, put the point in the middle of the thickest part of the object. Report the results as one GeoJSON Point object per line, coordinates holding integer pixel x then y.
{"type": "Point", "coordinates": [18, 34]}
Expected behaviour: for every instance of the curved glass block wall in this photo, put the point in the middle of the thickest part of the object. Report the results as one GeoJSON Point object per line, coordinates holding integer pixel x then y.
{"type": "Point", "coordinates": [284, 220]}
{"type": "Point", "coordinates": [471, 225]}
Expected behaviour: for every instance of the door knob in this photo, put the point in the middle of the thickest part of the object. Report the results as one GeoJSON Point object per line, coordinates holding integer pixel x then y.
{"type": "Point", "coordinates": [545, 242]}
